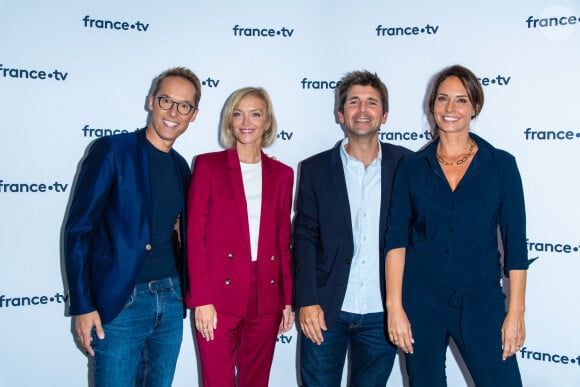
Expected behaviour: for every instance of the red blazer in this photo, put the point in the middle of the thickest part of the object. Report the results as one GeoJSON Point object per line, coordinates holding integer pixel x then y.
{"type": "Point", "coordinates": [218, 249]}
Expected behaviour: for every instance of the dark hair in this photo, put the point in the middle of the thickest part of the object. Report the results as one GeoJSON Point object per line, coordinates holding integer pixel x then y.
{"type": "Point", "coordinates": [362, 78]}
{"type": "Point", "coordinates": [467, 79]}
{"type": "Point", "coordinates": [178, 72]}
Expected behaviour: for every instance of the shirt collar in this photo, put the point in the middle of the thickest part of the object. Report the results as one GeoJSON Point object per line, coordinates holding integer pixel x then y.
{"type": "Point", "coordinates": [348, 159]}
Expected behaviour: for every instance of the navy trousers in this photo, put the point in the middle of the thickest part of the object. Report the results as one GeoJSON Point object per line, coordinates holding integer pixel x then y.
{"type": "Point", "coordinates": [472, 317]}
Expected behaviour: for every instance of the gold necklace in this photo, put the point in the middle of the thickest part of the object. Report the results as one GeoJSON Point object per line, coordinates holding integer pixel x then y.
{"type": "Point", "coordinates": [462, 159]}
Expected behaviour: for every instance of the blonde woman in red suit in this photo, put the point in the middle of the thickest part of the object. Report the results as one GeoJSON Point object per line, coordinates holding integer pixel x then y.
{"type": "Point", "coordinates": [239, 261]}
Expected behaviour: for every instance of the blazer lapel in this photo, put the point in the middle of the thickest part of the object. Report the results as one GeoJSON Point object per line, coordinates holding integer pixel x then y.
{"type": "Point", "coordinates": [142, 173]}
{"type": "Point", "coordinates": [239, 196]}
{"type": "Point", "coordinates": [339, 183]}
{"type": "Point", "coordinates": [269, 199]}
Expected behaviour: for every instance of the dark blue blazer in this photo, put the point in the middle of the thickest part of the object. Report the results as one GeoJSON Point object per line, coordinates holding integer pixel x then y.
{"type": "Point", "coordinates": [108, 227]}
{"type": "Point", "coordinates": [323, 243]}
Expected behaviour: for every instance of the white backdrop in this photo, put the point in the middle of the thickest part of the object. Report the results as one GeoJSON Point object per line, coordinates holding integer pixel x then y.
{"type": "Point", "coordinates": [74, 70]}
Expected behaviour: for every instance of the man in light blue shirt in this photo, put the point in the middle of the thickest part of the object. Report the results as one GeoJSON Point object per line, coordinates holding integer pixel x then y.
{"type": "Point", "coordinates": [341, 211]}
{"type": "Point", "coordinates": [363, 185]}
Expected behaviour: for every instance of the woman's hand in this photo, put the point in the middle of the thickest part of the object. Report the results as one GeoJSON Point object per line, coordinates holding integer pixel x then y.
{"type": "Point", "coordinates": [287, 319]}
{"type": "Point", "coordinates": [513, 330]}
{"type": "Point", "coordinates": [513, 334]}
{"type": "Point", "coordinates": [206, 320]}
{"type": "Point", "coordinates": [399, 329]}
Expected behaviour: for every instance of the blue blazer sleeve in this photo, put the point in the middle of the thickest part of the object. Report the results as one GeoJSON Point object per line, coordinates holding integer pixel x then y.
{"type": "Point", "coordinates": [306, 242]}
{"type": "Point", "coordinates": [93, 186]}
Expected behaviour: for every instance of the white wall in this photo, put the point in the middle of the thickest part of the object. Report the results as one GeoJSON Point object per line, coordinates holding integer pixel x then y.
{"type": "Point", "coordinates": [98, 78]}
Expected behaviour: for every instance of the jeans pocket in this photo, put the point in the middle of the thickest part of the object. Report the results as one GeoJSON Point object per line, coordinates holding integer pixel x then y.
{"type": "Point", "coordinates": [131, 301]}
{"type": "Point", "coordinates": [176, 293]}
{"type": "Point", "coordinates": [94, 338]}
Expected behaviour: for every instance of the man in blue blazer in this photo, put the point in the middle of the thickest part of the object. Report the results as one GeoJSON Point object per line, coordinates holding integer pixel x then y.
{"type": "Point", "coordinates": [341, 211]}
{"type": "Point", "coordinates": [123, 242]}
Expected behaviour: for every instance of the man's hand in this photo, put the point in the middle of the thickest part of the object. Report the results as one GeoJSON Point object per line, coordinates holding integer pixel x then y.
{"type": "Point", "coordinates": [312, 322]}
{"type": "Point", "coordinates": [84, 325]}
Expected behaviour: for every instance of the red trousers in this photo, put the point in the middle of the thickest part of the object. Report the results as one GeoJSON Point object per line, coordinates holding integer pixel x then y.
{"type": "Point", "coordinates": [243, 342]}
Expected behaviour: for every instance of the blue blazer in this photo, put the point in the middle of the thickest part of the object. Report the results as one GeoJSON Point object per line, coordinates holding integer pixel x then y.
{"type": "Point", "coordinates": [323, 243]}
{"type": "Point", "coordinates": [108, 227]}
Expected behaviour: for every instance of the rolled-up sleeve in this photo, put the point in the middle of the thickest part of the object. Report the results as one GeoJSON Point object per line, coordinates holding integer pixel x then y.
{"type": "Point", "coordinates": [400, 211]}
{"type": "Point", "coordinates": [513, 218]}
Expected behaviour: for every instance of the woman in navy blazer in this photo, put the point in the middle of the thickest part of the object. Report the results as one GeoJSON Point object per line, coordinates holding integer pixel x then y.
{"type": "Point", "coordinates": [239, 259]}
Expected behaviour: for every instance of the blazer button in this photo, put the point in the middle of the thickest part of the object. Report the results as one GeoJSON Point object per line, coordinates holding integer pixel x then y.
{"type": "Point", "coordinates": [228, 281]}
{"type": "Point", "coordinates": [347, 261]}
{"type": "Point", "coordinates": [148, 247]}
{"type": "Point", "coordinates": [272, 258]}
{"type": "Point", "coordinates": [272, 282]}
{"type": "Point", "coordinates": [230, 256]}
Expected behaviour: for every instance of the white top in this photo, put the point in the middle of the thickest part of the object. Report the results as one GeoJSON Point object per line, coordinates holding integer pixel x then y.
{"type": "Point", "coordinates": [252, 178]}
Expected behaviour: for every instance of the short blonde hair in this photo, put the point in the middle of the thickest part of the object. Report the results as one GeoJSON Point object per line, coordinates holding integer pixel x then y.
{"type": "Point", "coordinates": [227, 138]}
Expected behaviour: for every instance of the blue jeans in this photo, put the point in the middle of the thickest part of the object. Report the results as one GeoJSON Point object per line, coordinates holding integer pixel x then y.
{"type": "Point", "coordinates": [371, 355]}
{"type": "Point", "coordinates": [142, 343]}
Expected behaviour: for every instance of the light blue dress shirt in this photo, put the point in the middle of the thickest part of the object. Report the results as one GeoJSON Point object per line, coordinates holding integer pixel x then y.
{"type": "Point", "coordinates": [363, 293]}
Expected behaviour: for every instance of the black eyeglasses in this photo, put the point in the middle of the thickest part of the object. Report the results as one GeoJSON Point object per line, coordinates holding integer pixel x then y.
{"type": "Point", "coordinates": [167, 103]}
